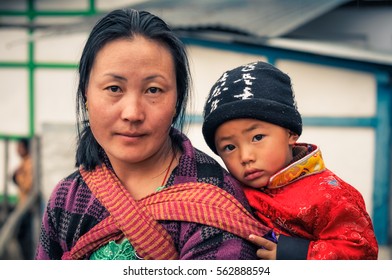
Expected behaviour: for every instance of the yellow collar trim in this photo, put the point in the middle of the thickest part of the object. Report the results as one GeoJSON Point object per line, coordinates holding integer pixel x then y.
{"type": "Point", "coordinates": [310, 164]}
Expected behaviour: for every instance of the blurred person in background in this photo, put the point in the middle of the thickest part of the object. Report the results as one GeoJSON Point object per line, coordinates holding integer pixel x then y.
{"type": "Point", "coordinates": [23, 178]}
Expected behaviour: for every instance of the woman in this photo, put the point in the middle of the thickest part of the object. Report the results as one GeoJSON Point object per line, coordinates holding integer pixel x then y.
{"type": "Point", "coordinates": [137, 174]}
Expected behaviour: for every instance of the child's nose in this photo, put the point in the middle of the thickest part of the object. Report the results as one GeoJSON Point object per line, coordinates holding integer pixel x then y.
{"type": "Point", "coordinates": [247, 156]}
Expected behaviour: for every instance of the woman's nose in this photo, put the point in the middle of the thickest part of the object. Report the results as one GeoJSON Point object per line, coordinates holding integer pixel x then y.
{"type": "Point", "coordinates": [132, 109]}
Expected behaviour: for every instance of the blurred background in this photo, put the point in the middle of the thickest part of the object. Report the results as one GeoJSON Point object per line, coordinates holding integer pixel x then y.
{"type": "Point", "coordinates": [338, 54]}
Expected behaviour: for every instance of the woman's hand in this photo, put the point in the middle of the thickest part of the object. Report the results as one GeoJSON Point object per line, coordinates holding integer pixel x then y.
{"type": "Point", "coordinates": [267, 249]}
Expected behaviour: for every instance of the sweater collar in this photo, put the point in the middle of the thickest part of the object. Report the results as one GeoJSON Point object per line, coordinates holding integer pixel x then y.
{"type": "Point", "coordinates": [307, 161]}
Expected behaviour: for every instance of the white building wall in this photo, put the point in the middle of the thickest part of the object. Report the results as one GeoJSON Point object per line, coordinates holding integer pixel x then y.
{"type": "Point", "coordinates": [335, 92]}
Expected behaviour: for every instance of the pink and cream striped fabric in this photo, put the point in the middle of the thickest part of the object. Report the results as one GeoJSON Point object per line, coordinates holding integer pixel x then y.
{"type": "Point", "coordinates": [136, 220]}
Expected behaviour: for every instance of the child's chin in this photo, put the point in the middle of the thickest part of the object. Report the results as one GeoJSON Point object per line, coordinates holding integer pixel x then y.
{"type": "Point", "coordinates": [256, 185]}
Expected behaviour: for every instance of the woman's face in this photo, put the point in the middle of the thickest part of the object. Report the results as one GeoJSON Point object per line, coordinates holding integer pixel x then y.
{"type": "Point", "coordinates": [131, 99]}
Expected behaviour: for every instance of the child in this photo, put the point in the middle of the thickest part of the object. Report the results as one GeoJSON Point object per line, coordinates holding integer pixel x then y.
{"type": "Point", "coordinates": [251, 121]}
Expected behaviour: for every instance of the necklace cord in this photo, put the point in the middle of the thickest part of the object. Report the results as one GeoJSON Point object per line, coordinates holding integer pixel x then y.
{"type": "Point", "coordinates": [168, 169]}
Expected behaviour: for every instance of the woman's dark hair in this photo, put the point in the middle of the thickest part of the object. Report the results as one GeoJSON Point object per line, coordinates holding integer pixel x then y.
{"type": "Point", "coordinates": [125, 23]}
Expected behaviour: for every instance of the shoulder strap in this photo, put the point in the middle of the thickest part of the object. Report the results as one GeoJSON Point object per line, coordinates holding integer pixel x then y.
{"type": "Point", "coordinates": [138, 226]}
{"type": "Point", "coordinates": [205, 204]}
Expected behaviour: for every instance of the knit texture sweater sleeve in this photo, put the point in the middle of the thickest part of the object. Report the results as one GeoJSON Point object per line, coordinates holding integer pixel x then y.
{"type": "Point", "coordinates": [71, 211]}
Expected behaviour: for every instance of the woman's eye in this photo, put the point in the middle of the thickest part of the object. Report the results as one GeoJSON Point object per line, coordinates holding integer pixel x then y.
{"type": "Point", "coordinates": [154, 90]}
{"type": "Point", "coordinates": [258, 137]}
{"type": "Point", "coordinates": [114, 88]}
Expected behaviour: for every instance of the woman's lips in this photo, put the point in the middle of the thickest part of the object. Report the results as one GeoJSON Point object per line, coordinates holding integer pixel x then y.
{"type": "Point", "coordinates": [130, 137]}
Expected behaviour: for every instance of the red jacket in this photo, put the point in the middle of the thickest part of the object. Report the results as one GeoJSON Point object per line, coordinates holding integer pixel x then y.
{"type": "Point", "coordinates": [307, 200]}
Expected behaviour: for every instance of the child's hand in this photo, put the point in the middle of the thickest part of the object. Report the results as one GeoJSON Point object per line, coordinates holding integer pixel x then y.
{"type": "Point", "coordinates": [268, 248]}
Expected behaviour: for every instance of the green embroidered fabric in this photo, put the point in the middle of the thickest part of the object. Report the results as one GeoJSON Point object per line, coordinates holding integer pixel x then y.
{"type": "Point", "coordinates": [115, 251]}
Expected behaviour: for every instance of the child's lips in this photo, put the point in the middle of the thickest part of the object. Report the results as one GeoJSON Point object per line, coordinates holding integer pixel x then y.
{"type": "Point", "coordinates": [253, 174]}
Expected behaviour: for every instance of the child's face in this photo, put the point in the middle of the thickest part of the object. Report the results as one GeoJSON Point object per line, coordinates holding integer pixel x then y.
{"type": "Point", "coordinates": [254, 150]}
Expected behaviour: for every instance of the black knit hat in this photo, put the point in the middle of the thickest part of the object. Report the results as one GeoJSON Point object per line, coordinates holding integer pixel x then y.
{"type": "Point", "coordinates": [257, 90]}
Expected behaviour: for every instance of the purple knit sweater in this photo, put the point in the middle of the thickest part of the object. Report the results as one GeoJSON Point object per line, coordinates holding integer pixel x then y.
{"type": "Point", "coordinates": [72, 210]}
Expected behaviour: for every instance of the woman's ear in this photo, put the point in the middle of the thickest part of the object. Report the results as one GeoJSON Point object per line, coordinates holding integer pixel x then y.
{"type": "Point", "coordinates": [293, 137]}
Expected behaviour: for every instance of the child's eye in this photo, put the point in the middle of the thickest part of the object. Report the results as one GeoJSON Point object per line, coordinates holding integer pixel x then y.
{"type": "Point", "coordinates": [258, 137]}
{"type": "Point", "coordinates": [154, 90]}
{"type": "Point", "coordinates": [229, 147]}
